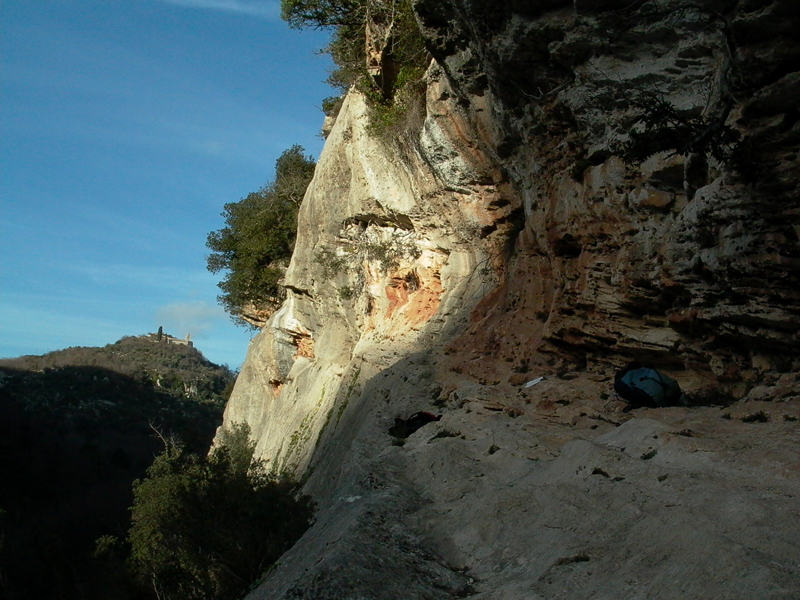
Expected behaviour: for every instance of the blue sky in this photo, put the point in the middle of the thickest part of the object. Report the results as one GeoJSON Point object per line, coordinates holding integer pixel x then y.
{"type": "Point", "coordinates": [125, 126]}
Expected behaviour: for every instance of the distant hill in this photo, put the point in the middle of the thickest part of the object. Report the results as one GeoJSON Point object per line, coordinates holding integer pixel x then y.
{"type": "Point", "coordinates": [77, 427]}
{"type": "Point", "coordinates": [169, 363]}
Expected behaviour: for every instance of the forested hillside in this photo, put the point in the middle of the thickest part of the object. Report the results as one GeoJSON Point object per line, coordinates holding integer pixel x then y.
{"type": "Point", "coordinates": [77, 427]}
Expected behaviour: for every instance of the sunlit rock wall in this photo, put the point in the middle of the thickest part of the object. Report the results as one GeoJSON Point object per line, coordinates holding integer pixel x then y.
{"type": "Point", "coordinates": [506, 211]}
{"type": "Point", "coordinates": [400, 235]}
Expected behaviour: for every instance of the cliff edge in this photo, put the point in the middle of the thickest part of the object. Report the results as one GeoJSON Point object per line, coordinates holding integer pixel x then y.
{"type": "Point", "coordinates": [584, 184]}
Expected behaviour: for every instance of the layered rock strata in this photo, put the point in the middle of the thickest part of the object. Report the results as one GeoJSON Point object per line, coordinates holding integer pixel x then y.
{"type": "Point", "coordinates": [681, 259]}
{"type": "Point", "coordinates": [507, 233]}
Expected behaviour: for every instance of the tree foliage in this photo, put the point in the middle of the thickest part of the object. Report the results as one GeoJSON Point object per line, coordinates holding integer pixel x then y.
{"type": "Point", "coordinates": [259, 234]}
{"type": "Point", "coordinates": [208, 527]}
{"type": "Point", "coordinates": [387, 27]}
{"type": "Point", "coordinates": [75, 432]}
{"type": "Point", "coordinates": [661, 127]}
{"type": "Point", "coordinates": [322, 13]}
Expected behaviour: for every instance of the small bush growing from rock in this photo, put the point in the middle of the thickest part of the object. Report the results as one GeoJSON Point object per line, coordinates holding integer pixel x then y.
{"type": "Point", "coordinates": [331, 105]}
{"type": "Point", "coordinates": [376, 46]}
{"type": "Point", "coordinates": [661, 127]}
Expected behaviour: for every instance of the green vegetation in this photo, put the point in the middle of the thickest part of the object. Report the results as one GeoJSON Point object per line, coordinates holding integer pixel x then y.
{"type": "Point", "coordinates": [404, 110]}
{"type": "Point", "coordinates": [661, 127]}
{"type": "Point", "coordinates": [179, 370]}
{"type": "Point", "coordinates": [376, 46]}
{"type": "Point", "coordinates": [332, 264]}
{"type": "Point", "coordinates": [208, 527]}
{"type": "Point", "coordinates": [76, 429]}
{"type": "Point", "coordinates": [331, 105]}
{"type": "Point", "coordinates": [387, 250]}
{"type": "Point", "coordinates": [258, 238]}
{"type": "Point", "coordinates": [323, 13]}
{"type": "Point", "coordinates": [347, 293]}
{"type": "Point", "coordinates": [127, 387]}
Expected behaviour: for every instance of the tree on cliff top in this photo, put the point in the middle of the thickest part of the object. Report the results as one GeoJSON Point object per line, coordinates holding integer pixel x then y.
{"type": "Point", "coordinates": [322, 13]}
{"type": "Point", "coordinates": [376, 44]}
{"type": "Point", "coordinates": [259, 235]}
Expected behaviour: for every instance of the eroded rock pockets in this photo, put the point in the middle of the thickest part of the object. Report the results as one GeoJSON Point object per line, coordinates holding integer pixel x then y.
{"type": "Point", "coordinates": [688, 257]}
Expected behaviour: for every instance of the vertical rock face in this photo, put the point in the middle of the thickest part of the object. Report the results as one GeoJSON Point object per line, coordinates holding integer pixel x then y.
{"type": "Point", "coordinates": [681, 258]}
{"type": "Point", "coordinates": [398, 239]}
{"type": "Point", "coordinates": [524, 225]}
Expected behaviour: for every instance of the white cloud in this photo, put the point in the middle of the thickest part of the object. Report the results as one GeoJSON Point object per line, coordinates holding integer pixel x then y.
{"type": "Point", "coordinates": [258, 8]}
{"type": "Point", "coordinates": [195, 318]}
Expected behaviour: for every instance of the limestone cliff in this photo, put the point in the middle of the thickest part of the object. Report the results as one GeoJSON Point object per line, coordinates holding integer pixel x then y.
{"type": "Point", "coordinates": [681, 259]}
{"type": "Point", "coordinates": [503, 237]}
{"type": "Point", "coordinates": [388, 260]}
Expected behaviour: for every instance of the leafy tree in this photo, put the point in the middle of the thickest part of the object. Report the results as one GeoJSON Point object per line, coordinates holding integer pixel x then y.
{"type": "Point", "coordinates": [208, 527]}
{"type": "Point", "coordinates": [376, 44]}
{"type": "Point", "coordinates": [322, 13]}
{"type": "Point", "coordinates": [258, 237]}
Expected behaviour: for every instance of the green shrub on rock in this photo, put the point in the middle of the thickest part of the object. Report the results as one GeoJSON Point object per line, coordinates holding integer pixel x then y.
{"type": "Point", "coordinates": [376, 46]}
{"type": "Point", "coordinates": [207, 527]}
{"type": "Point", "coordinates": [259, 234]}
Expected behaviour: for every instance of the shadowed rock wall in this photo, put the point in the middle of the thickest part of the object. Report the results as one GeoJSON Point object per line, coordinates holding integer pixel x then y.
{"type": "Point", "coordinates": [503, 236]}
{"type": "Point", "coordinates": [681, 260]}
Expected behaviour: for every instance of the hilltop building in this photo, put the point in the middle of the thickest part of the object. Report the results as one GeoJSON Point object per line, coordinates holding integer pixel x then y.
{"type": "Point", "coordinates": [165, 338]}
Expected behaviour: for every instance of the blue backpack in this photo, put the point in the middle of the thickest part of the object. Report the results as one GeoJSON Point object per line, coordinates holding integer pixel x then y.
{"type": "Point", "coordinates": [644, 386]}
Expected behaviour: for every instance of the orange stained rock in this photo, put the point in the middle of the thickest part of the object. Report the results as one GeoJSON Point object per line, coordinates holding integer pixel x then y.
{"type": "Point", "coordinates": [305, 346]}
{"type": "Point", "coordinates": [413, 307]}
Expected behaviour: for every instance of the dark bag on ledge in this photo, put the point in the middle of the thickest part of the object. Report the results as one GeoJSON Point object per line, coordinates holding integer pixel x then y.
{"type": "Point", "coordinates": [644, 386]}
